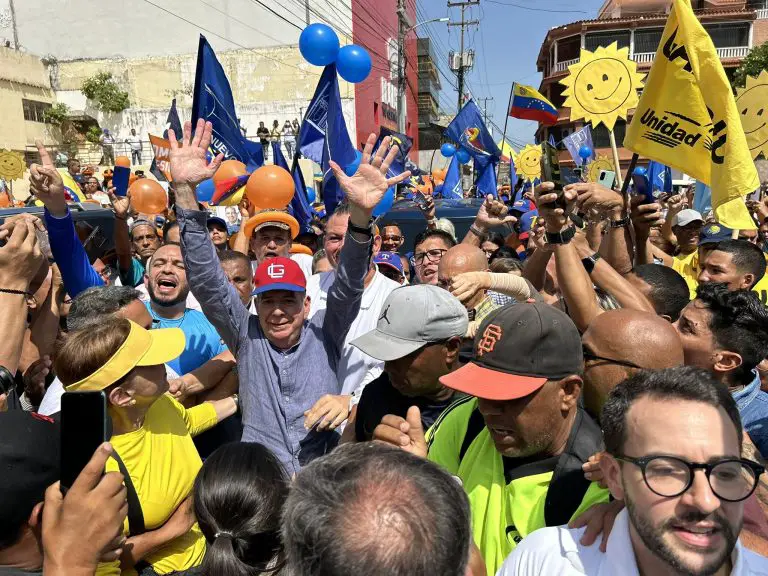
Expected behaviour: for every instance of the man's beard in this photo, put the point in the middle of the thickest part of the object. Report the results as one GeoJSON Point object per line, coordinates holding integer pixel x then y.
{"type": "Point", "coordinates": [164, 302]}
{"type": "Point", "coordinates": [653, 538]}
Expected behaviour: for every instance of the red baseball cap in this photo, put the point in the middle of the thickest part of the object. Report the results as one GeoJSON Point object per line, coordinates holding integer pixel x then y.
{"type": "Point", "coordinates": [279, 274]}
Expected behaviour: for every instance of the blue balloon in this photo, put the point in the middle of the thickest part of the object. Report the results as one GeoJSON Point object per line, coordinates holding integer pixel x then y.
{"type": "Point", "coordinates": [350, 169]}
{"type": "Point", "coordinates": [311, 196]}
{"type": "Point", "coordinates": [447, 150]}
{"type": "Point", "coordinates": [585, 152]}
{"type": "Point", "coordinates": [463, 156]}
{"type": "Point", "coordinates": [205, 190]}
{"type": "Point", "coordinates": [353, 63]}
{"type": "Point", "coordinates": [640, 171]}
{"type": "Point", "coordinates": [319, 44]}
{"type": "Point", "coordinates": [385, 203]}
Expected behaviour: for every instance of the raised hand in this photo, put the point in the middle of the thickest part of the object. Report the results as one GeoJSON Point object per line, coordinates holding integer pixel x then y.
{"type": "Point", "coordinates": [555, 219]}
{"type": "Point", "coordinates": [46, 183]}
{"type": "Point", "coordinates": [366, 187]}
{"type": "Point", "coordinates": [405, 433]}
{"type": "Point", "coordinates": [120, 204]}
{"type": "Point", "coordinates": [189, 164]}
{"type": "Point", "coordinates": [493, 213]}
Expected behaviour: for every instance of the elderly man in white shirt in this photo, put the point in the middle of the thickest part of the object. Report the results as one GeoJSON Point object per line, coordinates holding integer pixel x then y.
{"type": "Point", "coordinates": [673, 441]}
{"type": "Point", "coordinates": [355, 369]}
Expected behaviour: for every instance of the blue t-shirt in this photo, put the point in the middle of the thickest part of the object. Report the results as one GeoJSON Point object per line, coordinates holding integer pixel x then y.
{"type": "Point", "coordinates": [203, 342]}
{"type": "Point", "coordinates": [753, 409]}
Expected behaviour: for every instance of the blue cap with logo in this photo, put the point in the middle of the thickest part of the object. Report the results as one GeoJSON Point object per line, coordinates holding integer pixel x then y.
{"type": "Point", "coordinates": [391, 259]}
{"type": "Point", "coordinates": [714, 233]}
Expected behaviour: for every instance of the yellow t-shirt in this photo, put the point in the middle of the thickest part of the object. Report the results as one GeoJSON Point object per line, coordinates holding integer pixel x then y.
{"type": "Point", "coordinates": [163, 463]}
{"type": "Point", "coordinates": [762, 287]}
{"type": "Point", "coordinates": [687, 265]}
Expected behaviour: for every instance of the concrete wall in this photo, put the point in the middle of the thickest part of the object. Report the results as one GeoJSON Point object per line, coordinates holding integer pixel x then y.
{"type": "Point", "coordinates": [759, 31]}
{"type": "Point", "coordinates": [22, 77]}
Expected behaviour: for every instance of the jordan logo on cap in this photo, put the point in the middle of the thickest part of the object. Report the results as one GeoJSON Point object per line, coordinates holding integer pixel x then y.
{"type": "Point", "coordinates": [384, 316]}
{"type": "Point", "coordinates": [490, 337]}
{"type": "Point", "coordinates": [276, 271]}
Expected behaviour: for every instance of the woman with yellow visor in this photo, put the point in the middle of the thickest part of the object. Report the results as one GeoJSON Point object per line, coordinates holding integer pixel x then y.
{"type": "Point", "coordinates": [152, 435]}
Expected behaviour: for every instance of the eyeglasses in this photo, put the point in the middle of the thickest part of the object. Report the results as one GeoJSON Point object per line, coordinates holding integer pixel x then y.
{"type": "Point", "coordinates": [392, 238]}
{"type": "Point", "coordinates": [434, 256]}
{"type": "Point", "coordinates": [731, 479]}
{"type": "Point", "coordinates": [589, 356]}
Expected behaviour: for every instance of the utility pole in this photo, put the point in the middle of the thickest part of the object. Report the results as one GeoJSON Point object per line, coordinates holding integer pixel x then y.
{"type": "Point", "coordinates": [306, 7]}
{"type": "Point", "coordinates": [404, 25]}
{"type": "Point", "coordinates": [485, 108]}
{"type": "Point", "coordinates": [463, 63]}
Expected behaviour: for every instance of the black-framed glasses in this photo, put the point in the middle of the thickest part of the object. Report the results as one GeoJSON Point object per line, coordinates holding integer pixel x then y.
{"type": "Point", "coordinates": [731, 479]}
{"type": "Point", "coordinates": [434, 256]}
{"type": "Point", "coordinates": [591, 356]}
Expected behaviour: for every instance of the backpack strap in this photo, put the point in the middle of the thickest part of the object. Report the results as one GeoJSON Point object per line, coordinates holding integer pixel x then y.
{"type": "Point", "coordinates": [135, 514]}
{"type": "Point", "coordinates": [474, 427]}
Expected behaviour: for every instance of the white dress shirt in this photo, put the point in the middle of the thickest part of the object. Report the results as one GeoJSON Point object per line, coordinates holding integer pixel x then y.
{"type": "Point", "coordinates": [355, 368]}
{"type": "Point", "coordinates": [556, 550]}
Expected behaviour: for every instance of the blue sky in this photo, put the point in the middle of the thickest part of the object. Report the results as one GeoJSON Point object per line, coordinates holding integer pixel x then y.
{"type": "Point", "coordinates": [506, 45]}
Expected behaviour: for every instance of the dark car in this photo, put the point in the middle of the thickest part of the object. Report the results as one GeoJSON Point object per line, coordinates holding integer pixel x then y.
{"type": "Point", "coordinates": [411, 220]}
{"type": "Point", "coordinates": [95, 225]}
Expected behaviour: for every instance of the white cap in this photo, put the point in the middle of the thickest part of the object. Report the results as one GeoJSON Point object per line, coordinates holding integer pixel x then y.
{"type": "Point", "coordinates": [411, 317]}
{"type": "Point", "coordinates": [685, 217]}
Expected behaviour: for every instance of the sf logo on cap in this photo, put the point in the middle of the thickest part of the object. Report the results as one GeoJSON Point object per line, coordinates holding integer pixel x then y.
{"type": "Point", "coordinates": [490, 337]}
{"type": "Point", "coordinates": [276, 271]}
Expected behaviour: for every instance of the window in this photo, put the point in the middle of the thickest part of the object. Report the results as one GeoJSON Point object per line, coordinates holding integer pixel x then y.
{"type": "Point", "coordinates": [729, 35]}
{"type": "Point", "coordinates": [647, 39]}
{"type": "Point", "coordinates": [34, 111]}
{"type": "Point", "coordinates": [600, 138]}
{"type": "Point", "coordinates": [568, 48]}
{"type": "Point", "coordinates": [556, 95]}
{"type": "Point", "coordinates": [593, 41]}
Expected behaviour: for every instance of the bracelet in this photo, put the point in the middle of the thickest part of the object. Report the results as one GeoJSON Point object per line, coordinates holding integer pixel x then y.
{"type": "Point", "coordinates": [623, 223]}
{"type": "Point", "coordinates": [365, 231]}
{"type": "Point", "coordinates": [475, 230]}
{"type": "Point", "coordinates": [19, 292]}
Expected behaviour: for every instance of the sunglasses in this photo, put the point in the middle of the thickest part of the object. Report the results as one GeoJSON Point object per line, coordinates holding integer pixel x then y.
{"type": "Point", "coordinates": [589, 356]}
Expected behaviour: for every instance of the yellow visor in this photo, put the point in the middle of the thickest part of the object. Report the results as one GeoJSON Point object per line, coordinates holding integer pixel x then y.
{"type": "Point", "coordinates": [141, 348]}
{"type": "Point", "coordinates": [272, 218]}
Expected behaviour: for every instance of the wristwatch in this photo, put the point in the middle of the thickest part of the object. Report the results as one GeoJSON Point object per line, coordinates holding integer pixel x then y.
{"type": "Point", "coordinates": [589, 262]}
{"type": "Point", "coordinates": [562, 237]}
{"type": "Point", "coordinates": [365, 231]}
{"type": "Point", "coordinates": [580, 220]}
{"type": "Point", "coordinates": [624, 222]}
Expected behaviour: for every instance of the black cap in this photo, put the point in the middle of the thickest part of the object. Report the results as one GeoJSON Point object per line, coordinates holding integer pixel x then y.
{"type": "Point", "coordinates": [29, 463]}
{"type": "Point", "coordinates": [516, 350]}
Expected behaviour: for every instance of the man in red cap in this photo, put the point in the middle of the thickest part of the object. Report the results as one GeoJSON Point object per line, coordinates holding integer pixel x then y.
{"type": "Point", "coordinates": [286, 361]}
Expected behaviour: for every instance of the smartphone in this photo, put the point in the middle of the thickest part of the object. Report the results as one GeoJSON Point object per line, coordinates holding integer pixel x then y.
{"type": "Point", "coordinates": [120, 177]}
{"type": "Point", "coordinates": [642, 188]}
{"type": "Point", "coordinates": [83, 430]}
{"type": "Point", "coordinates": [607, 178]}
{"type": "Point", "coordinates": [420, 200]}
{"type": "Point", "coordinates": [550, 172]}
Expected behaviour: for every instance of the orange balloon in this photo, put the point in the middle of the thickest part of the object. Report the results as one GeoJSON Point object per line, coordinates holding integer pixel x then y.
{"type": "Point", "coordinates": [132, 178]}
{"type": "Point", "coordinates": [229, 169]}
{"type": "Point", "coordinates": [148, 196]}
{"type": "Point", "coordinates": [5, 201]}
{"type": "Point", "coordinates": [270, 187]}
{"type": "Point", "coordinates": [123, 161]}
{"type": "Point", "coordinates": [439, 174]}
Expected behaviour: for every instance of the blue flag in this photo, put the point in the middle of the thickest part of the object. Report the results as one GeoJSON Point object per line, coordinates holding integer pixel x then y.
{"type": "Point", "coordinates": [702, 198]}
{"type": "Point", "coordinates": [213, 103]}
{"type": "Point", "coordinates": [486, 178]}
{"type": "Point", "coordinates": [323, 135]}
{"type": "Point", "coordinates": [576, 140]}
{"type": "Point", "coordinates": [171, 123]}
{"type": "Point", "coordinates": [468, 129]}
{"type": "Point", "coordinates": [512, 177]}
{"type": "Point", "coordinates": [299, 206]}
{"type": "Point", "coordinates": [399, 164]}
{"type": "Point", "coordinates": [552, 139]}
{"type": "Point", "coordinates": [659, 177]}
{"type": "Point", "coordinates": [452, 185]}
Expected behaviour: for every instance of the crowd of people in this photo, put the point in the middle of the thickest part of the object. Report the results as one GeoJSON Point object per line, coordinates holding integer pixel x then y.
{"type": "Point", "coordinates": [576, 386]}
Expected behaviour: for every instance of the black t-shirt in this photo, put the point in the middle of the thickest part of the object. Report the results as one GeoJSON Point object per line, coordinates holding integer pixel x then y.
{"type": "Point", "coordinates": [380, 398]}
{"type": "Point", "coordinates": [262, 133]}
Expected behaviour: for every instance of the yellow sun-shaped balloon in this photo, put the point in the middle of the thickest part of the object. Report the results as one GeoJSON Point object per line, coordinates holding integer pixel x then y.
{"type": "Point", "coordinates": [528, 162]}
{"type": "Point", "coordinates": [598, 165]}
{"type": "Point", "coordinates": [752, 103]}
{"type": "Point", "coordinates": [602, 86]}
{"type": "Point", "coordinates": [11, 165]}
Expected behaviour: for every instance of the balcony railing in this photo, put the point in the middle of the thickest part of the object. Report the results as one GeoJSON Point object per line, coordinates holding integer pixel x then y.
{"type": "Point", "coordinates": [647, 57]}
{"type": "Point", "coordinates": [761, 13]}
{"type": "Point", "coordinates": [563, 66]}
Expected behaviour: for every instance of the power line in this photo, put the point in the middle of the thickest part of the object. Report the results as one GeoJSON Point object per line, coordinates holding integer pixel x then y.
{"type": "Point", "coordinates": [551, 10]}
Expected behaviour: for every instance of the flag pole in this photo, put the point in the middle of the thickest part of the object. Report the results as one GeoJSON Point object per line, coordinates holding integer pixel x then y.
{"type": "Point", "coordinates": [616, 164]}
{"type": "Point", "coordinates": [504, 135]}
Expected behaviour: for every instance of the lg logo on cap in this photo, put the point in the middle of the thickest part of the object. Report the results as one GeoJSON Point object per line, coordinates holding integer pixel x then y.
{"type": "Point", "coordinates": [276, 271]}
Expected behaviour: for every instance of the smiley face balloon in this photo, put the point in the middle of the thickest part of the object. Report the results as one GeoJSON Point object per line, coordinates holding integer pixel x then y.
{"type": "Point", "coordinates": [11, 165]}
{"type": "Point", "coordinates": [602, 86]}
{"type": "Point", "coordinates": [752, 104]}
{"type": "Point", "coordinates": [528, 163]}
{"type": "Point", "coordinates": [596, 166]}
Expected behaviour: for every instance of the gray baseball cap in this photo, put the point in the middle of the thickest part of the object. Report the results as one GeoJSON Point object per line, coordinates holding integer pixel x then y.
{"type": "Point", "coordinates": [685, 217]}
{"type": "Point", "coordinates": [411, 317]}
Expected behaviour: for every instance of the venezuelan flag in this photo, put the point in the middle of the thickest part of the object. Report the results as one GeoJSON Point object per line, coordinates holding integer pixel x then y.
{"type": "Point", "coordinates": [71, 189]}
{"type": "Point", "coordinates": [529, 104]}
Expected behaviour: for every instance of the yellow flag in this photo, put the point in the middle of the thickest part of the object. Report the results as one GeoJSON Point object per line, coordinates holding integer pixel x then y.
{"type": "Point", "coordinates": [76, 195]}
{"type": "Point", "coordinates": [687, 118]}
